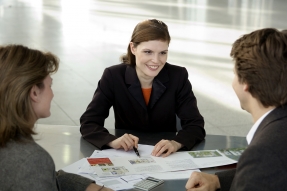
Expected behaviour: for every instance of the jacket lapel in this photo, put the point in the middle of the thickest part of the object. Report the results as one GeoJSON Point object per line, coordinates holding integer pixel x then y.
{"type": "Point", "coordinates": [158, 86]}
{"type": "Point", "coordinates": [135, 86]}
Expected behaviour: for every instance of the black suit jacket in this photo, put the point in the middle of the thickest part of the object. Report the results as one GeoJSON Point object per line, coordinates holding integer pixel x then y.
{"type": "Point", "coordinates": [263, 165]}
{"type": "Point", "coordinates": [120, 88]}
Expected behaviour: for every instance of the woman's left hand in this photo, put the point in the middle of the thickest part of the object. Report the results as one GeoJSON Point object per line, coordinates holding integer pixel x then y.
{"type": "Point", "coordinates": [165, 147]}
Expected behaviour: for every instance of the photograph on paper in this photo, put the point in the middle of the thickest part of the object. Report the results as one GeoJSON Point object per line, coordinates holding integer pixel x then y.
{"type": "Point", "coordinates": [100, 162]}
{"type": "Point", "coordinates": [142, 161]}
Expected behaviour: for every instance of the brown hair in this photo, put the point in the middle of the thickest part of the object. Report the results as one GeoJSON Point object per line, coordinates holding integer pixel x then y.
{"type": "Point", "coordinates": [20, 69]}
{"type": "Point", "coordinates": [147, 30]}
{"type": "Point", "coordinates": [261, 62]}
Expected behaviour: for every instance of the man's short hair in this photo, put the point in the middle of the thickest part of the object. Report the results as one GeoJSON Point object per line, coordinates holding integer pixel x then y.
{"type": "Point", "coordinates": [261, 62]}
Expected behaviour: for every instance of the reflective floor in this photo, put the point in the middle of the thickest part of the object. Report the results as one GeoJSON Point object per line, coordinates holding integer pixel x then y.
{"type": "Point", "coordinates": [90, 35]}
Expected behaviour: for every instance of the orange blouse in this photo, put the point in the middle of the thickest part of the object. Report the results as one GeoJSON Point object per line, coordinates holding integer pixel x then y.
{"type": "Point", "coordinates": [146, 94]}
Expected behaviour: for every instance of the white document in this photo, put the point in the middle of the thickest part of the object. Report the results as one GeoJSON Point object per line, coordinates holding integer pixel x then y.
{"type": "Point", "coordinates": [119, 183]}
{"type": "Point", "coordinates": [195, 159]}
{"type": "Point", "coordinates": [183, 174]}
{"type": "Point", "coordinates": [210, 158]}
{"type": "Point", "coordinates": [133, 177]}
{"type": "Point", "coordinates": [125, 182]}
{"type": "Point", "coordinates": [85, 168]}
{"type": "Point", "coordinates": [116, 183]}
{"type": "Point", "coordinates": [123, 169]}
{"type": "Point", "coordinates": [101, 154]}
{"type": "Point", "coordinates": [120, 166]}
{"type": "Point", "coordinates": [74, 168]}
{"type": "Point", "coordinates": [144, 150]}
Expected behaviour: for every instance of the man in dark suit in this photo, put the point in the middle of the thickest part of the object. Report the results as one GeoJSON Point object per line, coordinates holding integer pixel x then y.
{"type": "Point", "coordinates": [260, 84]}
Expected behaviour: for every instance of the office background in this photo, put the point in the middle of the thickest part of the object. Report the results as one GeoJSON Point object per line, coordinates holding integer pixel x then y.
{"type": "Point", "coordinates": [90, 35]}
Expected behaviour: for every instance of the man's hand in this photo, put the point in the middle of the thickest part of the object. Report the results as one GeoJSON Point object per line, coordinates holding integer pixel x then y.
{"type": "Point", "coordinates": [199, 181]}
{"type": "Point", "coordinates": [127, 142]}
{"type": "Point", "coordinates": [165, 146]}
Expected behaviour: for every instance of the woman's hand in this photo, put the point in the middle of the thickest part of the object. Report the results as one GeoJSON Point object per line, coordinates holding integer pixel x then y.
{"type": "Point", "coordinates": [127, 142]}
{"type": "Point", "coordinates": [165, 147]}
{"type": "Point", "coordinates": [95, 187]}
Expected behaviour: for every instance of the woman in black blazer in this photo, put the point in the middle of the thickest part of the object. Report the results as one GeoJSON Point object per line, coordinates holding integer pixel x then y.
{"type": "Point", "coordinates": [146, 94]}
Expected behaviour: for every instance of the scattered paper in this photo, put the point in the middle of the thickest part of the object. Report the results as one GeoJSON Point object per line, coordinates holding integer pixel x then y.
{"type": "Point", "coordinates": [119, 170]}
{"type": "Point", "coordinates": [120, 166]}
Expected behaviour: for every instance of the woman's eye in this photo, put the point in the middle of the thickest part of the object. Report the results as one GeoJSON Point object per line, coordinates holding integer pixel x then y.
{"type": "Point", "coordinates": [163, 53]}
{"type": "Point", "coordinates": [147, 51]}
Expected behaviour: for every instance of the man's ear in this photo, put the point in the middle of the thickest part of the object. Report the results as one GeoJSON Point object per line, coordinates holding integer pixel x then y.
{"type": "Point", "coordinates": [34, 93]}
{"type": "Point", "coordinates": [132, 47]}
{"type": "Point", "coordinates": [245, 87]}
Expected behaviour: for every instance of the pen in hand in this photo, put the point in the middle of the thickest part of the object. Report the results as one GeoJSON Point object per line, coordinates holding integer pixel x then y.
{"type": "Point", "coordinates": [137, 152]}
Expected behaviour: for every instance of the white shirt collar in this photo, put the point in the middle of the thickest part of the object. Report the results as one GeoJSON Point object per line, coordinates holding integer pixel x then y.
{"type": "Point", "coordinates": [252, 131]}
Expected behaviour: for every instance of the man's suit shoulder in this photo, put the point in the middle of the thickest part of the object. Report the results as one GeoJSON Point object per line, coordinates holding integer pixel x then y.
{"type": "Point", "coordinates": [268, 147]}
{"type": "Point", "coordinates": [274, 124]}
{"type": "Point", "coordinates": [272, 135]}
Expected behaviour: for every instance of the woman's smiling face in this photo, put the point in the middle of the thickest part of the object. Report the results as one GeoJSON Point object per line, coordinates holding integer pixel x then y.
{"type": "Point", "coordinates": [151, 57]}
